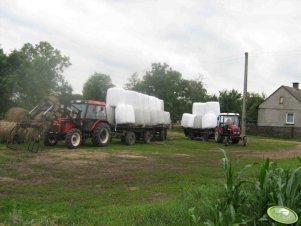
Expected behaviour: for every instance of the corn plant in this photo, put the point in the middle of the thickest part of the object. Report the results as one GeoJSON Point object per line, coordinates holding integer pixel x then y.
{"type": "Point", "coordinates": [227, 211]}
{"type": "Point", "coordinates": [247, 205]}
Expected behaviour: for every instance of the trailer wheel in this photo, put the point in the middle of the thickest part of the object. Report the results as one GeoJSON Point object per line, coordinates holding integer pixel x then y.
{"type": "Point", "coordinates": [101, 135]}
{"type": "Point", "coordinates": [217, 137]}
{"type": "Point", "coordinates": [147, 136]}
{"type": "Point", "coordinates": [205, 137]}
{"type": "Point", "coordinates": [163, 134]}
{"type": "Point", "coordinates": [130, 138]}
{"type": "Point", "coordinates": [191, 135]}
{"type": "Point", "coordinates": [73, 138]}
{"type": "Point", "coordinates": [50, 138]}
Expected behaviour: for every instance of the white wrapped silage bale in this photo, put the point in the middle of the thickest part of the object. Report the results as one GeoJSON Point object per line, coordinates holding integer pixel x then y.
{"type": "Point", "coordinates": [147, 117]}
{"type": "Point", "coordinates": [110, 114]}
{"type": "Point", "coordinates": [209, 120]}
{"type": "Point", "coordinates": [115, 96]}
{"type": "Point", "coordinates": [133, 98]}
{"type": "Point", "coordinates": [197, 122]}
{"type": "Point", "coordinates": [187, 120]}
{"type": "Point", "coordinates": [198, 108]}
{"type": "Point", "coordinates": [161, 117]}
{"type": "Point", "coordinates": [167, 119]}
{"type": "Point", "coordinates": [160, 105]}
{"type": "Point", "coordinates": [124, 114]}
{"type": "Point", "coordinates": [139, 116]}
{"type": "Point", "coordinates": [154, 117]}
{"type": "Point", "coordinates": [212, 107]}
{"type": "Point", "coordinates": [153, 103]}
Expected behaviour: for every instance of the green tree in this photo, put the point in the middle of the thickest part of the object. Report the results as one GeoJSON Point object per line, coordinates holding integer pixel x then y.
{"type": "Point", "coordinates": [253, 101]}
{"type": "Point", "coordinates": [95, 88]}
{"type": "Point", "coordinates": [167, 84]}
{"type": "Point", "coordinates": [230, 101]}
{"type": "Point", "coordinates": [33, 72]}
{"type": "Point", "coordinates": [133, 82]}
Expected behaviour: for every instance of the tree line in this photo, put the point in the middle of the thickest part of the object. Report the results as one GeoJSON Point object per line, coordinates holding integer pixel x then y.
{"type": "Point", "coordinates": [35, 71]}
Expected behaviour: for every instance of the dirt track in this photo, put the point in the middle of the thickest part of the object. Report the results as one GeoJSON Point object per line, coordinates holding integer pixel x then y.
{"type": "Point", "coordinates": [271, 154]}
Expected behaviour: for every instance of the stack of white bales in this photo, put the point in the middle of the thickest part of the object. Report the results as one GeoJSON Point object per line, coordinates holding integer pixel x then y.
{"type": "Point", "coordinates": [204, 115]}
{"type": "Point", "coordinates": [130, 107]}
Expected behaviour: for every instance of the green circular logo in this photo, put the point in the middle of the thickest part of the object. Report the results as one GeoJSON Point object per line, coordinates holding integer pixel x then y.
{"type": "Point", "coordinates": [282, 215]}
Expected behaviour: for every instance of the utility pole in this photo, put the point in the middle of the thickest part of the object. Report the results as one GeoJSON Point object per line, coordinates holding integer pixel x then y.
{"type": "Point", "coordinates": [244, 102]}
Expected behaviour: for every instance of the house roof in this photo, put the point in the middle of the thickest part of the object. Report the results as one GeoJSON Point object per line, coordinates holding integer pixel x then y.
{"type": "Point", "coordinates": [294, 92]}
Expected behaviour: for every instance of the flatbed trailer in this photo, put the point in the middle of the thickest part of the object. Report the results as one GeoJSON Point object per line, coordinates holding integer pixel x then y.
{"type": "Point", "coordinates": [204, 134]}
{"type": "Point", "coordinates": [130, 134]}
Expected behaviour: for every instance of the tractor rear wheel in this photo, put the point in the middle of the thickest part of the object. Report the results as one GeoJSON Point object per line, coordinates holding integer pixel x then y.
{"type": "Point", "coordinates": [73, 138]}
{"type": "Point", "coordinates": [101, 135]}
{"type": "Point", "coordinates": [130, 138]}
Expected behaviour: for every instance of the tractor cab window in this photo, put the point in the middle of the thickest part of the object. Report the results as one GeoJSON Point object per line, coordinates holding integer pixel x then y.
{"type": "Point", "coordinates": [95, 112]}
{"type": "Point", "coordinates": [229, 120]}
{"type": "Point", "coordinates": [79, 107]}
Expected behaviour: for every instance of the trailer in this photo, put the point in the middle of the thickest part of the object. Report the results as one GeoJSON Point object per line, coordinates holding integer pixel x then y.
{"type": "Point", "coordinates": [204, 134]}
{"type": "Point", "coordinates": [130, 134]}
{"type": "Point", "coordinates": [134, 116]}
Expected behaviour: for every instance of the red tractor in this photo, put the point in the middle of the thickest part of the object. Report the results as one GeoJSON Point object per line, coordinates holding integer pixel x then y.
{"type": "Point", "coordinates": [84, 119]}
{"type": "Point", "coordinates": [228, 129]}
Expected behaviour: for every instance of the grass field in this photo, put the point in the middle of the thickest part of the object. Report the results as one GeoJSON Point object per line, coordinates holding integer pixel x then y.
{"type": "Point", "coordinates": [143, 184]}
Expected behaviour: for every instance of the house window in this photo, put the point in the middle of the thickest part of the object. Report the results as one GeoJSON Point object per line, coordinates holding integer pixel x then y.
{"type": "Point", "coordinates": [281, 99]}
{"type": "Point", "coordinates": [290, 119]}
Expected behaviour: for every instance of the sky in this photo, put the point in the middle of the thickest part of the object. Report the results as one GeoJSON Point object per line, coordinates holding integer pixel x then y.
{"type": "Point", "coordinates": [201, 39]}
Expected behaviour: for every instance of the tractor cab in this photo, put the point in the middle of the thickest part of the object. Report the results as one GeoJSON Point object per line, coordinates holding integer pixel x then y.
{"type": "Point", "coordinates": [228, 129]}
{"type": "Point", "coordinates": [89, 109]}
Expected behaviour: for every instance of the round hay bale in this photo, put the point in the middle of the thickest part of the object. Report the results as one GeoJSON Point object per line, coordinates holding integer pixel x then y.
{"type": "Point", "coordinates": [5, 129]}
{"type": "Point", "coordinates": [16, 114]}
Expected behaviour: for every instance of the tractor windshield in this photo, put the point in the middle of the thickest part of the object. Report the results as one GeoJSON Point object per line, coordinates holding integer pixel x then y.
{"type": "Point", "coordinates": [78, 106]}
{"type": "Point", "coordinates": [230, 119]}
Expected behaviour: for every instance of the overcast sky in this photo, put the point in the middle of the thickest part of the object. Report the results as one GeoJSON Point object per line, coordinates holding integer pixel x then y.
{"type": "Point", "coordinates": [195, 37]}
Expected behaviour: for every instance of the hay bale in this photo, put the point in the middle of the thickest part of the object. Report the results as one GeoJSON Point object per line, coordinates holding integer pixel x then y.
{"type": "Point", "coordinates": [5, 129]}
{"type": "Point", "coordinates": [16, 114]}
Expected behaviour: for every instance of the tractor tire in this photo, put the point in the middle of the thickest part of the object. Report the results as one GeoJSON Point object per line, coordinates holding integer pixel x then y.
{"type": "Point", "coordinates": [147, 137]}
{"type": "Point", "coordinates": [50, 139]}
{"type": "Point", "coordinates": [101, 135]}
{"type": "Point", "coordinates": [130, 138]}
{"type": "Point", "coordinates": [218, 137]}
{"type": "Point", "coordinates": [73, 138]}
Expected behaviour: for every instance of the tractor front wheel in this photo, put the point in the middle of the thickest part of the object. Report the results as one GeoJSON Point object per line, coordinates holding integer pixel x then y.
{"type": "Point", "coordinates": [50, 138]}
{"type": "Point", "coordinates": [73, 138]}
{"type": "Point", "coordinates": [102, 135]}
